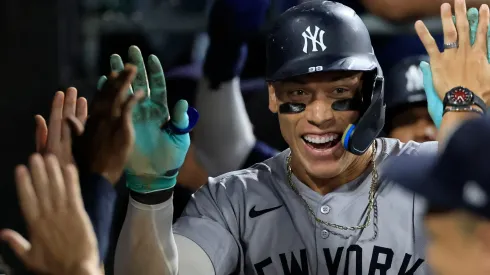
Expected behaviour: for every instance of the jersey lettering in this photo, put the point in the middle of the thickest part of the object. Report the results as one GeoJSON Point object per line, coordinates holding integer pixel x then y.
{"type": "Point", "coordinates": [315, 38]}
{"type": "Point", "coordinates": [295, 268]}
{"type": "Point", "coordinates": [381, 262]}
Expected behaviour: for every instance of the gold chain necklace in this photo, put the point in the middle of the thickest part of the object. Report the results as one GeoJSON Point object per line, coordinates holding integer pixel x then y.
{"type": "Point", "coordinates": [372, 195]}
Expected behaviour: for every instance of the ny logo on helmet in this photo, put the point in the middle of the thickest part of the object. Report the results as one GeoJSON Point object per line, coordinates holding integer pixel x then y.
{"type": "Point", "coordinates": [315, 38]}
{"type": "Point", "coordinates": [415, 79]}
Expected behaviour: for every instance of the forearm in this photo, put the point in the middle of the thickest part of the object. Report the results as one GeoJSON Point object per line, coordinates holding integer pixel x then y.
{"type": "Point", "coordinates": [450, 122]}
{"type": "Point", "coordinates": [400, 10]}
{"type": "Point", "coordinates": [146, 244]}
{"type": "Point", "coordinates": [99, 198]}
{"type": "Point", "coordinates": [224, 135]}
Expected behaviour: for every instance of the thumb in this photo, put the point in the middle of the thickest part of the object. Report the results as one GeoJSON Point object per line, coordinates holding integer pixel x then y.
{"type": "Point", "coordinates": [41, 133]}
{"type": "Point", "coordinates": [180, 119]}
{"type": "Point", "coordinates": [17, 243]}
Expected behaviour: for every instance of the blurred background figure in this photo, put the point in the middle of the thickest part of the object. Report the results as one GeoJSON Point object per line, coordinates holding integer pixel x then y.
{"type": "Point", "coordinates": [407, 116]}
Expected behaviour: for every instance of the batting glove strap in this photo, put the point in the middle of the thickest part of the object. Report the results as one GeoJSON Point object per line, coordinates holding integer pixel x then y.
{"type": "Point", "coordinates": [145, 184]}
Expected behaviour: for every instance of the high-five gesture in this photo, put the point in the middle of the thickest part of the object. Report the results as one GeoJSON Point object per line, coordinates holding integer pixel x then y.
{"type": "Point", "coordinates": [108, 137]}
{"type": "Point", "coordinates": [61, 238]}
{"type": "Point", "coordinates": [461, 64]}
{"type": "Point", "coordinates": [55, 137]}
{"type": "Point", "coordinates": [162, 140]}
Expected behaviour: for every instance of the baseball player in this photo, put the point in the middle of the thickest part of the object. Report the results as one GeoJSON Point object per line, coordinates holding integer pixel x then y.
{"type": "Point", "coordinates": [407, 116]}
{"type": "Point", "coordinates": [318, 207]}
{"type": "Point", "coordinates": [458, 216]}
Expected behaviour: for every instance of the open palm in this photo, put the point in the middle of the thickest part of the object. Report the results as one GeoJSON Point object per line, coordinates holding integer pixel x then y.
{"type": "Point", "coordinates": [162, 140]}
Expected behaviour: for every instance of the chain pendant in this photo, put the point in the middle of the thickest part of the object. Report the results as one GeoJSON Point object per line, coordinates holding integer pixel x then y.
{"type": "Point", "coordinates": [371, 201]}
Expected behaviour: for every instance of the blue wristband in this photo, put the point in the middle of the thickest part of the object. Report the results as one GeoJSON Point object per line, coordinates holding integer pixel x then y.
{"type": "Point", "coordinates": [144, 185]}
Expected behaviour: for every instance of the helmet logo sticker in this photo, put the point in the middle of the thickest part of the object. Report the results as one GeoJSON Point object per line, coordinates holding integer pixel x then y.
{"type": "Point", "coordinates": [415, 79]}
{"type": "Point", "coordinates": [315, 38]}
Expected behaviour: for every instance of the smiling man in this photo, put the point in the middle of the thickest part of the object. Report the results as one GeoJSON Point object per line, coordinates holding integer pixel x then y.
{"type": "Point", "coordinates": [316, 208]}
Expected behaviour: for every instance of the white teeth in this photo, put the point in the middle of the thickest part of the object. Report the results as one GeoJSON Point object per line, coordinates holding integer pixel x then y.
{"type": "Point", "coordinates": [320, 140]}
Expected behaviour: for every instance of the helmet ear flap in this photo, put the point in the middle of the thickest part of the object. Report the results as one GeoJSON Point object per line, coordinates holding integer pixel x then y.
{"type": "Point", "coordinates": [357, 138]}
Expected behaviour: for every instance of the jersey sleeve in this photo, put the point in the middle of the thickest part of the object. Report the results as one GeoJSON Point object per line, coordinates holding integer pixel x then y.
{"type": "Point", "coordinates": [211, 220]}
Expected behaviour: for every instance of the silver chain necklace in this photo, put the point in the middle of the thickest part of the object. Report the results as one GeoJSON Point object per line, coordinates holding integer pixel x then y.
{"type": "Point", "coordinates": [371, 207]}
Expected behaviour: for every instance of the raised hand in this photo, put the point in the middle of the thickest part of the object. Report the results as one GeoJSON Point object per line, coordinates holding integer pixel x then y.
{"type": "Point", "coordinates": [434, 102]}
{"type": "Point", "coordinates": [61, 238]}
{"type": "Point", "coordinates": [108, 138]}
{"type": "Point", "coordinates": [57, 138]}
{"type": "Point", "coordinates": [162, 140]}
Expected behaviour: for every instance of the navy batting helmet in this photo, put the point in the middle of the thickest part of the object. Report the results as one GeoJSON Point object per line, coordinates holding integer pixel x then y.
{"type": "Point", "coordinates": [322, 36]}
{"type": "Point", "coordinates": [404, 84]}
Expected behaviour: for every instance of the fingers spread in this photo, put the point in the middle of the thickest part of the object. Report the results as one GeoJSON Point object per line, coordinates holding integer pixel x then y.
{"type": "Point", "coordinates": [55, 118]}
{"type": "Point", "coordinates": [70, 103]}
{"type": "Point", "coordinates": [55, 182]}
{"type": "Point", "coordinates": [101, 82]}
{"type": "Point", "coordinates": [462, 24]}
{"type": "Point", "coordinates": [180, 118]}
{"type": "Point", "coordinates": [27, 195]}
{"type": "Point", "coordinates": [40, 182]}
{"type": "Point", "coordinates": [18, 244]}
{"type": "Point", "coordinates": [41, 133]}
{"type": "Point", "coordinates": [82, 109]}
{"type": "Point", "coordinates": [123, 83]}
{"type": "Point", "coordinates": [481, 34]}
{"type": "Point", "coordinates": [449, 29]}
{"type": "Point", "coordinates": [117, 64]}
{"type": "Point", "coordinates": [427, 39]}
{"type": "Point", "coordinates": [158, 87]}
{"type": "Point", "coordinates": [141, 80]}
{"type": "Point", "coordinates": [473, 21]}
{"type": "Point", "coordinates": [72, 185]}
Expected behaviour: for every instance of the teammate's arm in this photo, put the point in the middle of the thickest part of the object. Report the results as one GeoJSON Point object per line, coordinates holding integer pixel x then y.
{"type": "Point", "coordinates": [147, 245]}
{"type": "Point", "coordinates": [400, 10]}
{"type": "Point", "coordinates": [469, 74]}
{"type": "Point", "coordinates": [224, 137]}
{"type": "Point", "coordinates": [200, 243]}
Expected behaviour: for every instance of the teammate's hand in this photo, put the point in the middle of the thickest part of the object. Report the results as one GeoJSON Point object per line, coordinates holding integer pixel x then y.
{"type": "Point", "coordinates": [61, 237]}
{"type": "Point", "coordinates": [161, 141]}
{"type": "Point", "coordinates": [56, 138]}
{"type": "Point", "coordinates": [108, 138]}
{"type": "Point", "coordinates": [434, 103]}
{"type": "Point", "coordinates": [460, 66]}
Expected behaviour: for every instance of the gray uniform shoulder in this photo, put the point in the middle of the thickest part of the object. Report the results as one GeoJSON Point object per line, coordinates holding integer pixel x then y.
{"type": "Point", "coordinates": [262, 172]}
{"type": "Point", "coordinates": [395, 147]}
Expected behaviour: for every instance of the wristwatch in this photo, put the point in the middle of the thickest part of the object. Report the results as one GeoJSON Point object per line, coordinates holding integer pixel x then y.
{"type": "Point", "coordinates": [463, 97]}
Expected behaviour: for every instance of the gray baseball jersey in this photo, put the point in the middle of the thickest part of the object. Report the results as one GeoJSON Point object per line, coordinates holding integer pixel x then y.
{"type": "Point", "coordinates": [252, 222]}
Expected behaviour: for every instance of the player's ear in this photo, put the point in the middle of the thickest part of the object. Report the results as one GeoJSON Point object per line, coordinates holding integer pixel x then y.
{"type": "Point", "coordinates": [273, 107]}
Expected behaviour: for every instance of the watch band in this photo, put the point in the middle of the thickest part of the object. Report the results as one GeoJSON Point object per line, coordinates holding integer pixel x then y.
{"type": "Point", "coordinates": [476, 100]}
{"type": "Point", "coordinates": [462, 109]}
{"type": "Point", "coordinates": [480, 103]}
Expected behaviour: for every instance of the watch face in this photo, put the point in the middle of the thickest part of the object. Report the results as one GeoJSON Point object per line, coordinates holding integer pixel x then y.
{"type": "Point", "coordinates": [460, 97]}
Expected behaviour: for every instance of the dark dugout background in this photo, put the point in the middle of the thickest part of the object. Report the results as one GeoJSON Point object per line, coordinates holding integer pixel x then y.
{"type": "Point", "coordinates": [41, 44]}
{"type": "Point", "coordinates": [39, 39]}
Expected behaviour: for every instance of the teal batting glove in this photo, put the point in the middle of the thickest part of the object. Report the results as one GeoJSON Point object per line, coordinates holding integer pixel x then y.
{"type": "Point", "coordinates": [434, 103]}
{"type": "Point", "coordinates": [161, 144]}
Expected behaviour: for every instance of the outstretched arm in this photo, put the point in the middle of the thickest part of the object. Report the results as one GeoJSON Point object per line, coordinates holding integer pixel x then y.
{"type": "Point", "coordinates": [147, 244]}
{"type": "Point", "coordinates": [224, 137]}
